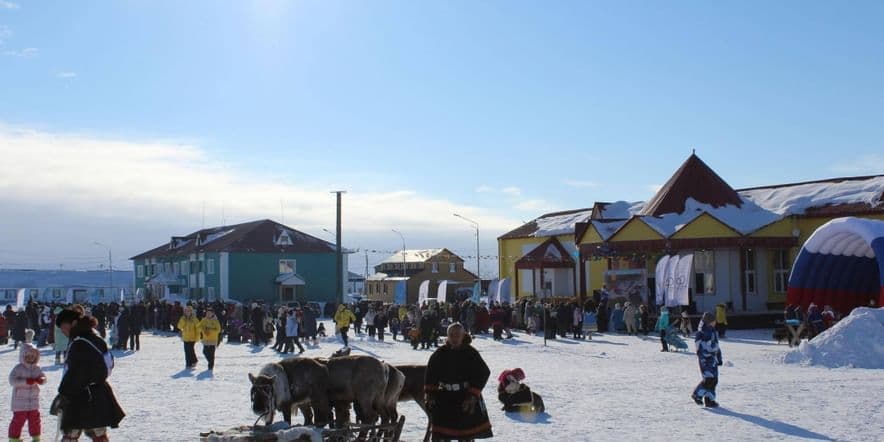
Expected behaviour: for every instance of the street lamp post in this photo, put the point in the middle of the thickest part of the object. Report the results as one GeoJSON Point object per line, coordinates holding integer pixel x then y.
{"type": "Point", "coordinates": [403, 250]}
{"type": "Point", "coordinates": [340, 252]}
{"type": "Point", "coordinates": [475, 226]}
{"type": "Point", "coordinates": [110, 265]}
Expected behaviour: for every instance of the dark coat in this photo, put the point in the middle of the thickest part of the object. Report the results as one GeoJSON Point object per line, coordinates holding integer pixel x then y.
{"type": "Point", "coordinates": [19, 326]}
{"type": "Point", "coordinates": [464, 371]}
{"type": "Point", "coordinates": [309, 322]}
{"type": "Point", "coordinates": [89, 399]}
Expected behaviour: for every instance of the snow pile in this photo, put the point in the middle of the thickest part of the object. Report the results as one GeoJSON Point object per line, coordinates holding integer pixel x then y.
{"type": "Point", "coordinates": [855, 341]}
{"type": "Point", "coordinates": [622, 209]}
{"type": "Point", "coordinates": [744, 219]}
{"type": "Point", "coordinates": [560, 224]}
{"type": "Point", "coordinates": [797, 199]}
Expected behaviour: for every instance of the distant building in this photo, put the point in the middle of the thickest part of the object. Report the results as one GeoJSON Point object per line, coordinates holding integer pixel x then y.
{"type": "Point", "coordinates": [262, 260]}
{"type": "Point", "coordinates": [65, 286]}
{"type": "Point", "coordinates": [355, 283]}
{"type": "Point", "coordinates": [741, 243]}
{"type": "Point", "coordinates": [414, 267]}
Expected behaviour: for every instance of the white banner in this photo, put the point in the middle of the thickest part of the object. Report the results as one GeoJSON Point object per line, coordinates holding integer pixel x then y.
{"type": "Point", "coordinates": [660, 275]}
{"type": "Point", "coordinates": [504, 294]}
{"type": "Point", "coordinates": [442, 293]}
{"type": "Point", "coordinates": [671, 270]}
{"type": "Point", "coordinates": [20, 299]}
{"type": "Point", "coordinates": [682, 280]}
{"type": "Point", "coordinates": [493, 290]}
{"type": "Point", "coordinates": [423, 292]}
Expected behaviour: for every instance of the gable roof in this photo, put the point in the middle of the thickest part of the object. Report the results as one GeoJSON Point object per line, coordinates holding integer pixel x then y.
{"type": "Point", "coordinates": [694, 179]}
{"type": "Point", "coordinates": [254, 236]}
{"type": "Point", "coordinates": [550, 253]}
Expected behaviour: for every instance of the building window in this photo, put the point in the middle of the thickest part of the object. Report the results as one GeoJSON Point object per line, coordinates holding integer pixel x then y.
{"type": "Point", "coordinates": [435, 267]}
{"type": "Point", "coordinates": [781, 271]}
{"type": "Point", "coordinates": [56, 293]}
{"type": "Point", "coordinates": [211, 293]}
{"type": "Point", "coordinates": [704, 272]}
{"type": "Point", "coordinates": [452, 267]}
{"type": "Point", "coordinates": [210, 266]}
{"type": "Point", "coordinates": [176, 269]}
{"type": "Point", "coordinates": [287, 266]}
{"type": "Point", "coordinates": [35, 293]}
{"type": "Point", "coordinates": [168, 267]}
{"type": "Point", "coordinates": [749, 271]}
{"type": "Point", "coordinates": [385, 288]}
{"type": "Point", "coordinates": [284, 239]}
{"type": "Point", "coordinates": [139, 271]}
{"type": "Point", "coordinates": [101, 293]}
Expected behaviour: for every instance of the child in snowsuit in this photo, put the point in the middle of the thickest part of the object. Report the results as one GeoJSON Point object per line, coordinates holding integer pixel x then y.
{"type": "Point", "coordinates": [709, 356]}
{"type": "Point", "coordinates": [25, 379]}
{"type": "Point", "coordinates": [516, 396]}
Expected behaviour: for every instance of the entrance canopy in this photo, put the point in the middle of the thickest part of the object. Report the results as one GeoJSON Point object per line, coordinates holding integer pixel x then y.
{"type": "Point", "coordinates": [841, 264]}
{"type": "Point", "coordinates": [549, 254]}
{"type": "Point", "coordinates": [289, 279]}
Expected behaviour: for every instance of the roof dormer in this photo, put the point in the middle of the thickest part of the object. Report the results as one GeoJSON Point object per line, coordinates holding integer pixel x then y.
{"type": "Point", "coordinates": [284, 239]}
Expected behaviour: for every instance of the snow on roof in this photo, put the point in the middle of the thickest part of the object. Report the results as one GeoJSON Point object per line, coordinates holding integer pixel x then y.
{"type": "Point", "coordinates": [413, 255]}
{"type": "Point", "coordinates": [379, 276]}
{"type": "Point", "coordinates": [213, 236]}
{"type": "Point", "coordinates": [560, 224]}
{"type": "Point", "coordinates": [607, 228]}
{"type": "Point", "coordinates": [796, 199]}
{"type": "Point", "coordinates": [621, 209]}
{"type": "Point", "coordinates": [745, 219]}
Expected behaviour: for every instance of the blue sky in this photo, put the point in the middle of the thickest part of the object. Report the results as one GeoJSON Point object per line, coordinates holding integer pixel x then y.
{"type": "Point", "coordinates": [502, 110]}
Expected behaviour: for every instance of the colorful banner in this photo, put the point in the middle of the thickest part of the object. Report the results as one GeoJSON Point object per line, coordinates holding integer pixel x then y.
{"type": "Point", "coordinates": [671, 274]}
{"type": "Point", "coordinates": [628, 283]}
{"type": "Point", "coordinates": [399, 293]}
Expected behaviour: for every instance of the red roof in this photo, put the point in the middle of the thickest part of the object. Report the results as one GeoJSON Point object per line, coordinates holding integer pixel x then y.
{"type": "Point", "coordinates": [256, 236]}
{"type": "Point", "coordinates": [694, 179]}
{"type": "Point", "coordinates": [550, 253]}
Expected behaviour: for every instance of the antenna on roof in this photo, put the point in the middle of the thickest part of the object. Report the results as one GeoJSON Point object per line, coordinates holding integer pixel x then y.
{"type": "Point", "coordinates": [693, 151]}
{"type": "Point", "coordinates": [223, 221]}
{"type": "Point", "coordinates": [204, 216]}
{"type": "Point", "coordinates": [281, 211]}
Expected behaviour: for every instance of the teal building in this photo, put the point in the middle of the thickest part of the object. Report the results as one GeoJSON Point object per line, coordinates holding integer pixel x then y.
{"type": "Point", "coordinates": [258, 260]}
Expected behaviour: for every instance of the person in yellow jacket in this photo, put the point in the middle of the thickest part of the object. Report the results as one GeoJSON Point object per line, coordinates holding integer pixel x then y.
{"type": "Point", "coordinates": [189, 326]}
{"type": "Point", "coordinates": [343, 318]}
{"type": "Point", "coordinates": [210, 328]}
{"type": "Point", "coordinates": [721, 319]}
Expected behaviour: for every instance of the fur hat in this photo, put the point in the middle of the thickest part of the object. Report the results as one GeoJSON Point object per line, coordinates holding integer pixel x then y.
{"type": "Point", "coordinates": [29, 335]}
{"type": "Point", "coordinates": [708, 317]}
{"type": "Point", "coordinates": [27, 349]}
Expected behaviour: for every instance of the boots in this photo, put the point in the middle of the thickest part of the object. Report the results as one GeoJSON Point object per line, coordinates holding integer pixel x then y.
{"type": "Point", "coordinates": [710, 403]}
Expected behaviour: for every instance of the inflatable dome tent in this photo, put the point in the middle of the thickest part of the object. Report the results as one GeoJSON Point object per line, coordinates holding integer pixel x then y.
{"type": "Point", "coordinates": [841, 264]}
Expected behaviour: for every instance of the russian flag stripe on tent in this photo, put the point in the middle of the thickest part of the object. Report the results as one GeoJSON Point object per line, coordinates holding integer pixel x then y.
{"type": "Point", "coordinates": [841, 264]}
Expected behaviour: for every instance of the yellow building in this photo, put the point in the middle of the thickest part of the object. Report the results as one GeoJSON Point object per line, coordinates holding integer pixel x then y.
{"type": "Point", "coordinates": [742, 242]}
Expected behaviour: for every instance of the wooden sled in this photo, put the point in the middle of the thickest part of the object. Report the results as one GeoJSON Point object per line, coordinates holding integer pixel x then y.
{"type": "Point", "coordinates": [353, 432]}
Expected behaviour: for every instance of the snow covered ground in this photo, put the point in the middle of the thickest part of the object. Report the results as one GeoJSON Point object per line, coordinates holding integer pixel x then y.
{"type": "Point", "coordinates": [613, 388]}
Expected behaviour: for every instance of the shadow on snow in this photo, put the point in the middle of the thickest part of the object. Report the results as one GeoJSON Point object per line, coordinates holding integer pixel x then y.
{"type": "Point", "coordinates": [779, 427]}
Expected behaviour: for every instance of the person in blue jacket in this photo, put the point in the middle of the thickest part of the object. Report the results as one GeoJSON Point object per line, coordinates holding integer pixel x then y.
{"type": "Point", "coordinates": [662, 327]}
{"type": "Point", "coordinates": [709, 355]}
